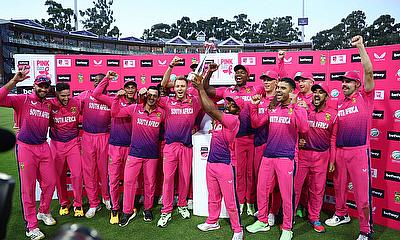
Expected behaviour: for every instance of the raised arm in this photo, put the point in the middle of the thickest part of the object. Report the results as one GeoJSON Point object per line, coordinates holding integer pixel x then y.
{"type": "Point", "coordinates": [166, 83]}
{"type": "Point", "coordinates": [255, 119]}
{"type": "Point", "coordinates": [369, 82]}
{"type": "Point", "coordinates": [206, 82]}
{"type": "Point", "coordinates": [301, 120]}
{"type": "Point", "coordinates": [98, 92]}
{"type": "Point", "coordinates": [117, 111]}
{"type": "Point", "coordinates": [7, 101]}
{"type": "Point", "coordinates": [207, 104]}
{"type": "Point", "coordinates": [280, 67]}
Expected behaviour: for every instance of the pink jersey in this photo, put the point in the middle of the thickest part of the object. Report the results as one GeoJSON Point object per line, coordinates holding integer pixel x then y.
{"type": "Point", "coordinates": [180, 118]}
{"type": "Point", "coordinates": [222, 144]}
{"type": "Point", "coordinates": [306, 98]}
{"type": "Point", "coordinates": [245, 93]}
{"type": "Point", "coordinates": [145, 139]}
{"type": "Point", "coordinates": [285, 122]}
{"type": "Point", "coordinates": [64, 120]}
{"type": "Point", "coordinates": [33, 115]}
{"type": "Point", "coordinates": [96, 115]}
{"type": "Point", "coordinates": [354, 119]}
{"type": "Point", "coordinates": [261, 133]}
{"type": "Point", "coordinates": [121, 128]}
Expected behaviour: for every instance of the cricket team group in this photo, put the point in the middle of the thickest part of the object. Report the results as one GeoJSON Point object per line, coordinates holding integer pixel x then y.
{"type": "Point", "coordinates": [271, 148]}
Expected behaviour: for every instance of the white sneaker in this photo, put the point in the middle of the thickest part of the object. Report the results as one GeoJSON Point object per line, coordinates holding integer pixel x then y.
{"type": "Point", "coordinates": [107, 203]}
{"type": "Point", "coordinates": [190, 204]}
{"type": "Point", "coordinates": [46, 218]}
{"type": "Point", "coordinates": [286, 235]}
{"type": "Point", "coordinates": [362, 237]}
{"type": "Point", "coordinates": [184, 212]}
{"type": "Point", "coordinates": [208, 226]}
{"type": "Point", "coordinates": [250, 209]}
{"type": "Point", "coordinates": [92, 211]}
{"type": "Point", "coordinates": [237, 236]}
{"type": "Point", "coordinates": [35, 234]}
{"type": "Point", "coordinates": [336, 220]}
{"type": "Point", "coordinates": [271, 219]}
{"type": "Point", "coordinates": [164, 219]}
{"type": "Point", "coordinates": [241, 208]}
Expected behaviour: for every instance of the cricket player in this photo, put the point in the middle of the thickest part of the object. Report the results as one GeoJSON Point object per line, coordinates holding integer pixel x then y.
{"type": "Point", "coordinates": [285, 121]}
{"type": "Point", "coordinates": [352, 144]}
{"type": "Point", "coordinates": [181, 112]}
{"type": "Point", "coordinates": [32, 150]}
{"type": "Point", "coordinates": [144, 152]}
{"type": "Point", "coordinates": [95, 137]}
{"type": "Point", "coordinates": [316, 149]}
{"type": "Point", "coordinates": [220, 172]}
{"type": "Point", "coordinates": [120, 139]}
{"type": "Point", "coordinates": [66, 148]}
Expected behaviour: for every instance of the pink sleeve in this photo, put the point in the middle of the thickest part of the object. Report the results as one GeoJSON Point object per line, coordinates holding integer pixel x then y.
{"type": "Point", "coordinates": [332, 158]}
{"type": "Point", "coordinates": [280, 69]}
{"type": "Point", "coordinates": [10, 101]}
{"type": "Point", "coordinates": [255, 119]}
{"type": "Point", "coordinates": [229, 121]}
{"type": "Point", "coordinates": [301, 120]}
{"type": "Point", "coordinates": [163, 102]}
{"type": "Point", "coordinates": [81, 96]}
{"type": "Point", "coordinates": [220, 92]}
{"type": "Point", "coordinates": [98, 92]}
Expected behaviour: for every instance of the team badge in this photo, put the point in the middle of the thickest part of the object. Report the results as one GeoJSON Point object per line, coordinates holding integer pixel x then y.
{"type": "Point", "coordinates": [353, 100]}
{"type": "Point", "coordinates": [73, 109]}
{"type": "Point", "coordinates": [143, 79]}
{"type": "Point", "coordinates": [397, 197]}
{"type": "Point", "coordinates": [21, 166]}
{"type": "Point", "coordinates": [328, 116]}
{"type": "Point", "coordinates": [290, 111]}
{"type": "Point", "coordinates": [158, 114]}
{"type": "Point", "coordinates": [248, 90]}
{"type": "Point", "coordinates": [49, 106]}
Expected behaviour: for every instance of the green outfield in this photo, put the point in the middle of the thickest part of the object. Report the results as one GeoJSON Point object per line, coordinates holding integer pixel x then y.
{"type": "Point", "coordinates": [177, 228]}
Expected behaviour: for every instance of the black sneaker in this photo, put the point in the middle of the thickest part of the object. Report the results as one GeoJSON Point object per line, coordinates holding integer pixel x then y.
{"type": "Point", "coordinates": [148, 216]}
{"type": "Point", "coordinates": [126, 218]}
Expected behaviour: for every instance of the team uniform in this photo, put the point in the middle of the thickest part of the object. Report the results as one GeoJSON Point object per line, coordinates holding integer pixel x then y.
{"type": "Point", "coordinates": [285, 122]}
{"type": "Point", "coordinates": [33, 152]}
{"type": "Point", "coordinates": [220, 173]}
{"type": "Point", "coordinates": [143, 153]}
{"type": "Point", "coordinates": [65, 148]}
{"type": "Point", "coordinates": [320, 147]}
{"type": "Point", "coordinates": [244, 152]}
{"type": "Point", "coordinates": [179, 122]}
{"type": "Point", "coordinates": [353, 156]}
{"type": "Point", "coordinates": [95, 137]}
{"type": "Point", "coordinates": [119, 142]}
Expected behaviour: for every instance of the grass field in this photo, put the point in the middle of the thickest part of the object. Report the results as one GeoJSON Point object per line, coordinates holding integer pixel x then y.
{"type": "Point", "coordinates": [177, 228]}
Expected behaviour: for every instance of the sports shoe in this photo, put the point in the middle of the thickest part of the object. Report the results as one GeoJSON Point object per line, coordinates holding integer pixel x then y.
{"type": "Point", "coordinates": [271, 219]}
{"type": "Point", "coordinates": [64, 210]}
{"type": "Point", "coordinates": [336, 220]}
{"type": "Point", "coordinates": [126, 218]}
{"type": "Point", "coordinates": [208, 226]}
{"type": "Point", "coordinates": [241, 208]}
{"type": "Point", "coordinates": [114, 218]}
{"type": "Point", "coordinates": [256, 214]}
{"type": "Point", "coordinates": [184, 212]}
{"type": "Point", "coordinates": [147, 216]}
{"type": "Point", "coordinates": [46, 218]}
{"type": "Point", "coordinates": [286, 235]}
{"type": "Point", "coordinates": [164, 219]}
{"type": "Point", "coordinates": [363, 236]}
{"type": "Point", "coordinates": [35, 234]}
{"type": "Point", "coordinates": [250, 209]}
{"type": "Point", "coordinates": [238, 236]}
{"type": "Point", "coordinates": [258, 226]}
{"type": "Point", "coordinates": [107, 203]}
{"type": "Point", "coordinates": [78, 212]}
{"type": "Point", "coordinates": [92, 211]}
{"type": "Point", "coordinates": [190, 204]}
{"type": "Point", "coordinates": [318, 226]}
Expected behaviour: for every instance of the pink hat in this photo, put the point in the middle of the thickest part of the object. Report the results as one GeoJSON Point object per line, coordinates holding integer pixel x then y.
{"type": "Point", "coordinates": [321, 85]}
{"type": "Point", "coordinates": [352, 75]}
{"type": "Point", "coordinates": [269, 75]}
{"type": "Point", "coordinates": [303, 75]}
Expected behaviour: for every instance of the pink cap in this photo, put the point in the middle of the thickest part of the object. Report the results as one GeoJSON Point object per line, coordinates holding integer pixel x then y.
{"type": "Point", "coordinates": [352, 75]}
{"type": "Point", "coordinates": [321, 85]}
{"type": "Point", "coordinates": [42, 79]}
{"type": "Point", "coordinates": [269, 75]}
{"type": "Point", "coordinates": [303, 75]}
